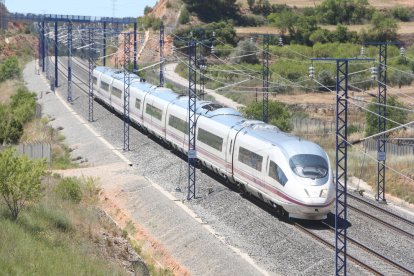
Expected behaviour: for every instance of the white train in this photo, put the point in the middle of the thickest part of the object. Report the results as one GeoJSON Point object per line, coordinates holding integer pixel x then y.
{"type": "Point", "coordinates": [291, 174]}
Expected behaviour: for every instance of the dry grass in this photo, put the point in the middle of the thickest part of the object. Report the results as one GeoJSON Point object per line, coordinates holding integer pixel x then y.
{"type": "Point", "coordinates": [381, 4]}
{"type": "Point", "coordinates": [7, 89]}
{"type": "Point", "coordinates": [404, 28]}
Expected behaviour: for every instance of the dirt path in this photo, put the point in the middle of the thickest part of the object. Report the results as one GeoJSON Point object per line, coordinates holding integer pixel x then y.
{"type": "Point", "coordinates": [174, 77]}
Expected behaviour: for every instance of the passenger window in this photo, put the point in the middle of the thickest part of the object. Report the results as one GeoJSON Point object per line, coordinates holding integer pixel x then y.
{"type": "Point", "coordinates": [210, 139]}
{"type": "Point", "coordinates": [117, 92]}
{"type": "Point", "coordinates": [178, 124]}
{"type": "Point", "coordinates": [277, 174]}
{"type": "Point", "coordinates": [154, 111]}
{"type": "Point", "coordinates": [231, 144]}
{"type": "Point", "coordinates": [250, 158]}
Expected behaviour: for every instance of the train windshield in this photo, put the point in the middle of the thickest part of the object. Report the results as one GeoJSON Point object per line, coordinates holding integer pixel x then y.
{"type": "Point", "coordinates": [309, 166]}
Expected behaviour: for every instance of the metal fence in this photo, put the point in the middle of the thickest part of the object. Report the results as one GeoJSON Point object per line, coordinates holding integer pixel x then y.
{"type": "Point", "coordinates": [34, 151]}
{"type": "Point", "coordinates": [391, 148]}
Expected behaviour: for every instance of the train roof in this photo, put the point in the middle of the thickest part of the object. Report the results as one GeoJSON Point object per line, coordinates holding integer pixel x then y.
{"type": "Point", "coordinates": [119, 75]}
{"type": "Point", "coordinates": [291, 145]}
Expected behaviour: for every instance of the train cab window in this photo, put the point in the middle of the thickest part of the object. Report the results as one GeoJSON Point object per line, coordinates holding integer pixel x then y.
{"type": "Point", "coordinates": [277, 174]}
{"type": "Point", "coordinates": [178, 124]}
{"type": "Point", "coordinates": [210, 139]}
{"type": "Point", "coordinates": [117, 92]}
{"type": "Point", "coordinates": [250, 158]}
{"type": "Point", "coordinates": [95, 80]}
{"type": "Point", "coordinates": [137, 103]}
{"type": "Point", "coordinates": [309, 166]}
{"type": "Point", "coordinates": [105, 86]}
{"type": "Point", "coordinates": [154, 111]}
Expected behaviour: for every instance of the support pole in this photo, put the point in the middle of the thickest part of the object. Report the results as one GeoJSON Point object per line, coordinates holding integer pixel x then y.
{"type": "Point", "coordinates": [192, 100]}
{"type": "Point", "coordinates": [162, 80]}
{"type": "Point", "coordinates": [43, 45]}
{"type": "Point", "coordinates": [39, 48]}
{"type": "Point", "coordinates": [47, 65]}
{"type": "Point", "coordinates": [90, 67]}
{"type": "Point", "coordinates": [265, 76]}
{"type": "Point", "coordinates": [382, 122]}
{"type": "Point", "coordinates": [341, 165]}
{"type": "Point", "coordinates": [70, 25]}
{"type": "Point", "coordinates": [135, 48]}
{"type": "Point", "coordinates": [127, 83]}
{"type": "Point", "coordinates": [56, 53]}
{"type": "Point", "coordinates": [104, 43]}
{"type": "Point", "coordinates": [341, 160]}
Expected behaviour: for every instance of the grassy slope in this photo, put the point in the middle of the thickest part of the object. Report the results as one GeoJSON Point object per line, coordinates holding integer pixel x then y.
{"type": "Point", "coordinates": [312, 3]}
{"type": "Point", "coordinates": [47, 239]}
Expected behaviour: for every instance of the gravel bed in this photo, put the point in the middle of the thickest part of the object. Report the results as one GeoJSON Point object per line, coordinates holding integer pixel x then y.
{"type": "Point", "coordinates": [383, 216]}
{"type": "Point", "coordinates": [276, 246]}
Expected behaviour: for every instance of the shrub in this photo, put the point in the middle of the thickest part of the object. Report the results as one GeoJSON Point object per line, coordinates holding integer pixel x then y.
{"type": "Point", "coordinates": [245, 52]}
{"type": "Point", "coordinates": [279, 114]}
{"type": "Point", "coordinates": [396, 115]}
{"type": "Point", "coordinates": [9, 69]}
{"type": "Point", "coordinates": [184, 15]}
{"type": "Point", "coordinates": [20, 180]}
{"type": "Point", "coordinates": [69, 189]}
{"type": "Point", "coordinates": [402, 13]}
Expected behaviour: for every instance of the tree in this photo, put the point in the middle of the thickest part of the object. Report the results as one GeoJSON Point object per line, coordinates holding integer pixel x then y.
{"type": "Point", "coordinates": [396, 115]}
{"type": "Point", "coordinates": [147, 10]}
{"type": "Point", "coordinates": [184, 15]}
{"type": "Point", "coordinates": [279, 114]}
{"type": "Point", "coordinates": [214, 10]}
{"type": "Point", "coordinates": [245, 52]}
{"type": "Point", "coordinates": [251, 3]}
{"type": "Point", "coordinates": [383, 28]}
{"type": "Point", "coordinates": [344, 11]}
{"type": "Point", "coordinates": [20, 180]}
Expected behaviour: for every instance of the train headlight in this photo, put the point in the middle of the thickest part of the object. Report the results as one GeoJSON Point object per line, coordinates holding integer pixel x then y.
{"type": "Point", "coordinates": [306, 191]}
{"type": "Point", "coordinates": [324, 193]}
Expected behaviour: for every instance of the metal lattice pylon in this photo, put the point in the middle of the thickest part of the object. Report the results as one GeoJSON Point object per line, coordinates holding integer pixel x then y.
{"type": "Point", "coordinates": [56, 53]}
{"type": "Point", "coordinates": [341, 164]}
{"type": "Point", "coordinates": [192, 100]}
{"type": "Point", "coordinates": [127, 83]}
{"type": "Point", "coordinates": [162, 55]}
{"type": "Point", "coordinates": [135, 48]}
{"type": "Point", "coordinates": [265, 76]}
{"type": "Point", "coordinates": [70, 25]}
{"type": "Point", "coordinates": [43, 45]}
{"type": "Point", "coordinates": [90, 67]}
{"type": "Point", "coordinates": [104, 44]}
{"type": "Point", "coordinates": [382, 122]}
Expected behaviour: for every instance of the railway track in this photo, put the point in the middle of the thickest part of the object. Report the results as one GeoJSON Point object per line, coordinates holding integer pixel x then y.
{"type": "Point", "coordinates": [354, 242]}
{"type": "Point", "coordinates": [300, 227]}
{"type": "Point", "coordinates": [382, 210]}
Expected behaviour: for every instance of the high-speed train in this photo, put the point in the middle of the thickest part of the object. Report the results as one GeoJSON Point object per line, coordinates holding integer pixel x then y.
{"type": "Point", "coordinates": [289, 173]}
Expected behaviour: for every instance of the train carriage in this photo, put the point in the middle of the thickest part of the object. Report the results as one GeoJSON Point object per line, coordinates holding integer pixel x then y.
{"type": "Point", "coordinates": [285, 171]}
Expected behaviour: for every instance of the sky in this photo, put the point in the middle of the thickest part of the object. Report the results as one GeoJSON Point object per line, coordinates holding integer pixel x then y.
{"type": "Point", "coordinates": [123, 8]}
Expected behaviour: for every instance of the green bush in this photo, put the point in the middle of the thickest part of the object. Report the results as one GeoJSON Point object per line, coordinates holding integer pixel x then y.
{"type": "Point", "coordinates": [279, 114]}
{"type": "Point", "coordinates": [184, 15]}
{"type": "Point", "coordinates": [371, 118]}
{"type": "Point", "coordinates": [69, 189]}
{"type": "Point", "coordinates": [9, 69]}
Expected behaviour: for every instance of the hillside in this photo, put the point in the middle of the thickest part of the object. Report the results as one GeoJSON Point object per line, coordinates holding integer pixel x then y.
{"type": "Point", "coordinates": [380, 4]}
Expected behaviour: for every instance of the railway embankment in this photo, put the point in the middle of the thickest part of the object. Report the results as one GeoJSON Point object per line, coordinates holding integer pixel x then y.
{"type": "Point", "coordinates": [164, 227]}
